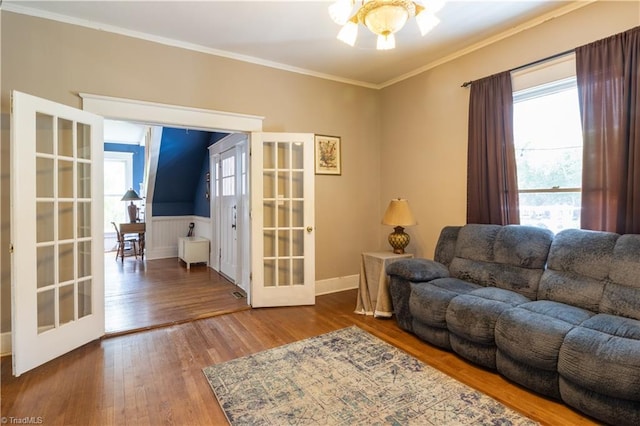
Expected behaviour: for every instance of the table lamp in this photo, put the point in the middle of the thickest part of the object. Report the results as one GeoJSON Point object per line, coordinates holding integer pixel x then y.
{"type": "Point", "coordinates": [132, 196]}
{"type": "Point", "coordinates": [398, 215]}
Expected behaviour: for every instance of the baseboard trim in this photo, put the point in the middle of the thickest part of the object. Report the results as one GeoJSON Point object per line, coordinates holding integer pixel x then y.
{"type": "Point", "coordinates": [334, 285]}
{"type": "Point", "coordinates": [5, 343]}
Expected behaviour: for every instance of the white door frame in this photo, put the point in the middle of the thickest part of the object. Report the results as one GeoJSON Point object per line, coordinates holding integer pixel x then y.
{"type": "Point", "coordinates": [175, 116]}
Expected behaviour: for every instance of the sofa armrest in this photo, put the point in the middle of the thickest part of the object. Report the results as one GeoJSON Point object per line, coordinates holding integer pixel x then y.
{"type": "Point", "coordinates": [417, 270]}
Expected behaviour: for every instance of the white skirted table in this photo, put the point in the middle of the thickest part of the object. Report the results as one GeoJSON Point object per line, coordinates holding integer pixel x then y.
{"type": "Point", "coordinates": [373, 292]}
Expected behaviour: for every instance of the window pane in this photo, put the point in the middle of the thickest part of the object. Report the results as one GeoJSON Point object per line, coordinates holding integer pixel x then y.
{"type": "Point", "coordinates": [554, 211]}
{"type": "Point", "coordinates": [548, 141]}
{"type": "Point", "coordinates": [548, 145]}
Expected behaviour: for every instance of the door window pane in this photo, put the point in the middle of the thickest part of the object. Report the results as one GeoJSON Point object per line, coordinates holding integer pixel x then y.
{"type": "Point", "coordinates": [44, 221]}
{"type": "Point", "coordinates": [84, 298]}
{"type": "Point", "coordinates": [65, 137]}
{"type": "Point", "coordinates": [84, 141]}
{"type": "Point", "coordinates": [46, 310]}
{"type": "Point", "coordinates": [65, 262]}
{"type": "Point", "coordinates": [65, 220]}
{"type": "Point", "coordinates": [44, 178]}
{"type": "Point", "coordinates": [66, 303]}
{"type": "Point", "coordinates": [44, 133]}
{"type": "Point", "coordinates": [65, 179]}
{"type": "Point", "coordinates": [45, 266]}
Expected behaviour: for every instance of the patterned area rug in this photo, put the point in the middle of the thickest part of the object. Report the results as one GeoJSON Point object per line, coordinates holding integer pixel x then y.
{"type": "Point", "coordinates": [347, 377]}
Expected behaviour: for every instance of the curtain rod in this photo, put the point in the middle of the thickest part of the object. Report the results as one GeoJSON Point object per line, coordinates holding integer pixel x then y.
{"type": "Point", "coordinates": [530, 64]}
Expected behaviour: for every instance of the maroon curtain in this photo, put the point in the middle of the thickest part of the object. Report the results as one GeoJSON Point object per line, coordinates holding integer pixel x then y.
{"type": "Point", "coordinates": [492, 184]}
{"type": "Point", "coordinates": [608, 76]}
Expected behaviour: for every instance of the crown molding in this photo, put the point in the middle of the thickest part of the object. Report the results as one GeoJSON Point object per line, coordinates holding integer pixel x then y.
{"type": "Point", "coordinates": [15, 8]}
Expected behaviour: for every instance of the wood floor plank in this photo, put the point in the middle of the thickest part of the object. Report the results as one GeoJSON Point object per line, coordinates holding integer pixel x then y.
{"type": "Point", "coordinates": [141, 295]}
{"type": "Point", "coordinates": [155, 377]}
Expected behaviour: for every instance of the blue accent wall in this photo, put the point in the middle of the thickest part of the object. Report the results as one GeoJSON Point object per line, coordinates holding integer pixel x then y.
{"type": "Point", "coordinates": [138, 160]}
{"type": "Point", "coordinates": [183, 163]}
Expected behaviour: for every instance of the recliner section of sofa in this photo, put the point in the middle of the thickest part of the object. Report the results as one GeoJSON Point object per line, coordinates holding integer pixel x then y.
{"type": "Point", "coordinates": [559, 314]}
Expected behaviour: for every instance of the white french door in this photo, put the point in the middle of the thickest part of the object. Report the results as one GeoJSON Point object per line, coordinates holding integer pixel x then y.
{"type": "Point", "coordinates": [282, 219]}
{"type": "Point", "coordinates": [57, 283]}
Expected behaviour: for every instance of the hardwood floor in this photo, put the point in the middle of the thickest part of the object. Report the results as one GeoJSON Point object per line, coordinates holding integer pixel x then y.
{"type": "Point", "coordinates": [141, 295]}
{"type": "Point", "coordinates": [154, 377]}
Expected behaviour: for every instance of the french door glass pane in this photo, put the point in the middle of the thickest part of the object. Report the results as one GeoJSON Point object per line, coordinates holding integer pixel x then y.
{"type": "Point", "coordinates": [66, 303]}
{"type": "Point", "coordinates": [44, 221]}
{"type": "Point", "coordinates": [65, 179]}
{"type": "Point", "coordinates": [65, 262]}
{"type": "Point", "coordinates": [65, 220]}
{"type": "Point", "coordinates": [84, 180]}
{"type": "Point", "coordinates": [65, 137]}
{"type": "Point", "coordinates": [46, 310]}
{"type": "Point", "coordinates": [84, 298]}
{"type": "Point", "coordinates": [44, 177]}
{"type": "Point", "coordinates": [45, 266]}
{"type": "Point", "coordinates": [44, 133]}
{"type": "Point", "coordinates": [83, 141]}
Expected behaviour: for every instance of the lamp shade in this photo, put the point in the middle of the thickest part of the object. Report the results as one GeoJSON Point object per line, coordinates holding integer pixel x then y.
{"type": "Point", "coordinates": [398, 214]}
{"type": "Point", "coordinates": [130, 195]}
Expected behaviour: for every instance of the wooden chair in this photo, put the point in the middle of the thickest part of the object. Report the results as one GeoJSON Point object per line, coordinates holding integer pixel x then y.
{"type": "Point", "coordinates": [129, 244]}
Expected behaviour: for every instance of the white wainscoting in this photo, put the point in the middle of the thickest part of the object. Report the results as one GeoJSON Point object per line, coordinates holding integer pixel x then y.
{"type": "Point", "coordinates": [163, 233]}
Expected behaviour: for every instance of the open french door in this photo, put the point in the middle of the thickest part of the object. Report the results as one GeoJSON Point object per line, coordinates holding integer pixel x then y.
{"type": "Point", "coordinates": [282, 219]}
{"type": "Point", "coordinates": [57, 283]}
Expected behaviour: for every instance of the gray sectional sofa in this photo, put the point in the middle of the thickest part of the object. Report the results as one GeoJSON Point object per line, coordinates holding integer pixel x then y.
{"type": "Point", "coordinates": [559, 314]}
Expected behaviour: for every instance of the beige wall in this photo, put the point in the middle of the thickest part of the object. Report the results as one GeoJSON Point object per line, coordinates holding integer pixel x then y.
{"type": "Point", "coordinates": [424, 126]}
{"type": "Point", "coordinates": [56, 61]}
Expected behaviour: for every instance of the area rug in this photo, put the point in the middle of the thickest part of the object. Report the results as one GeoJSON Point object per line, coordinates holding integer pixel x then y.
{"type": "Point", "coordinates": [347, 377]}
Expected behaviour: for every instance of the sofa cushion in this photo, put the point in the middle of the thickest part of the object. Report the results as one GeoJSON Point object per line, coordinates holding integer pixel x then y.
{"type": "Point", "coordinates": [473, 315]}
{"type": "Point", "coordinates": [622, 292]}
{"type": "Point", "coordinates": [446, 246]}
{"type": "Point", "coordinates": [578, 268]}
{"type": "Point", "coordinates": [417, 270]}
{"type": "Point", "coordinates": [429, 301]}
{"type": "Point", "coordinates": [533, 332]}
{"type": "Point", "coordinates": [603, 355]}
{"type": "Point", "coordinates": [509, 257]}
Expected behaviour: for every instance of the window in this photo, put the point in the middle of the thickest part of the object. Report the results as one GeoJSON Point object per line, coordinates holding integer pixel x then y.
{"type": "Point", "coordinates": [548, 146]}
{"type": "Point", "coordinates": [118, 171]}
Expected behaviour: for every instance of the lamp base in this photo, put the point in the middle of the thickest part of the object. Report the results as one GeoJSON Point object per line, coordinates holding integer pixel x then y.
{"type": "Point", "coordinates": [133, 212]}
{"type": "Point", "coordinates": [399, 239]}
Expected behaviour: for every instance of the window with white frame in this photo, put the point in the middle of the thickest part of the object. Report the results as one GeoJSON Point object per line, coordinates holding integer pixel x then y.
{"type": "Point", "coordinates": [118, 178]}
{"type": "Point", "coordinates": [548, 148]}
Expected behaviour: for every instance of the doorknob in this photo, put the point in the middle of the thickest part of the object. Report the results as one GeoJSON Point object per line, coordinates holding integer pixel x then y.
{"type": "Point", "coordinates": [309, 229]}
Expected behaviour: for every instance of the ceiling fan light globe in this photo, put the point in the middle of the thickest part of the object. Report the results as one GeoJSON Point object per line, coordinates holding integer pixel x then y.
{"type": "Point", "coordinates": [349, 33]}
{"type": "Point", "coordinates": [426, 21]}
{"type": "Point", "coordinates": [340, 11]}
{"type": "Point", "coordinates": [386, 42]}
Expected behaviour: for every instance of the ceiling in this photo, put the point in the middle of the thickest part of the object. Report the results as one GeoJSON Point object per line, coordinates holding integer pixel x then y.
{"type": "Point", "coordinates": [299, 35]}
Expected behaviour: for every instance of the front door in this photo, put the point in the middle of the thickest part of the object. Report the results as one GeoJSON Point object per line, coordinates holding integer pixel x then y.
{"type": "Point", "coordinates": [228, 214]}
{"type": "Point", "coordinates": [57, 283]}
{"type": "Point", "coordinates": [282, 219]}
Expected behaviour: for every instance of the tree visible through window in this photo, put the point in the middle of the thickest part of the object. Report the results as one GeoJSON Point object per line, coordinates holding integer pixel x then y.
{"type": "Point", "coordinates": [548, 145]}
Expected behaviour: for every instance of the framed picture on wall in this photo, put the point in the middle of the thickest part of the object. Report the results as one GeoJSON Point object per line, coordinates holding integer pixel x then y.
{"type": "Point", "coordinates": [328, 158]}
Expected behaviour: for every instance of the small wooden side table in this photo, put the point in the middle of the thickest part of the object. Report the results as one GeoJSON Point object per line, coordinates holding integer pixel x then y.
{"type": "Point", "coordinates": [373, 292]}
